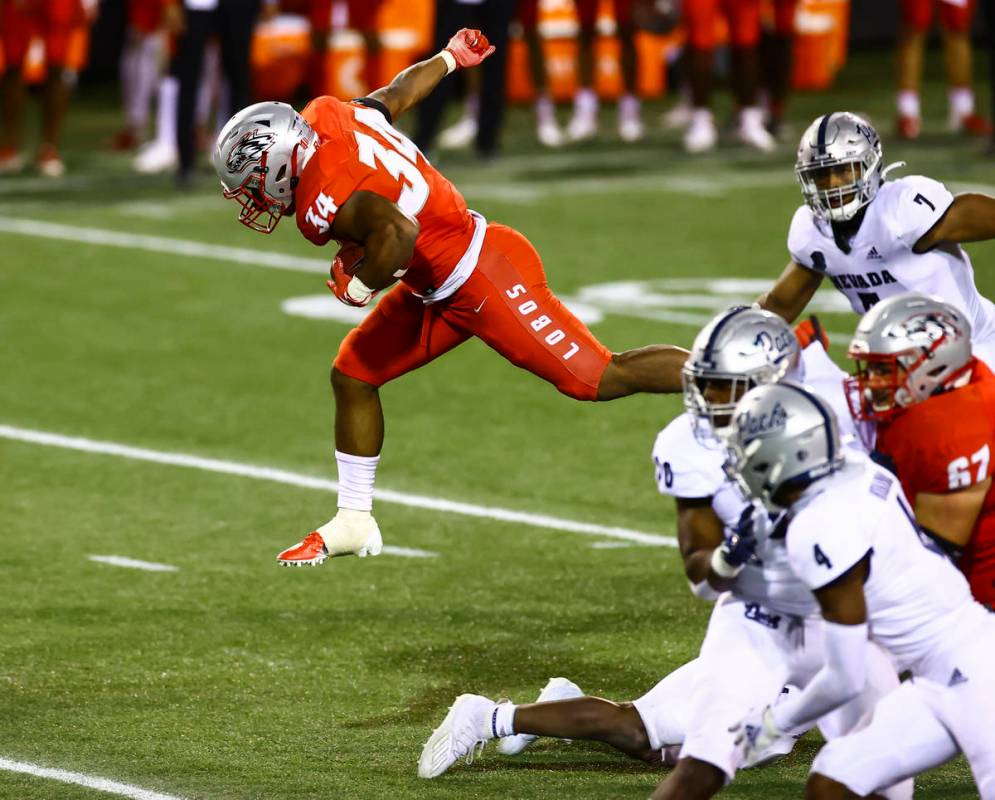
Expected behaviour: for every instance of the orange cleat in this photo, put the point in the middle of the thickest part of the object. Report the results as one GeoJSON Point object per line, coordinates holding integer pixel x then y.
{"type": "Point", "coordinates": [908, 127]}
{"type": "Point", "coordinates": [310, 552]}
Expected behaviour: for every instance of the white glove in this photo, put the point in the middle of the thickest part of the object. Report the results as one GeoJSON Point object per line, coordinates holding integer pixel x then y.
{"type": "Point", "coordinates": [352, 533]}
{"type": "Point", "coordinates": [755, 734]}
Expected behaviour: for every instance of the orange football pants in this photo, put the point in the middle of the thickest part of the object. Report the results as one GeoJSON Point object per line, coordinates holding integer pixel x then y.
{"type": "Point", "coordinates": [53, 20]}
{"type": "Point", "coordinates": [742, 16]}
{"type": "Point", "coordinates": [918, 15]}
{"type": "Point", "coordinates": [506, 303]}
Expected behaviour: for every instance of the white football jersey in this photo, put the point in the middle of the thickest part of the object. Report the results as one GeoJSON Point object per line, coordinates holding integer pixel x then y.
{"type": "Point", "coordinates": [881, 262]}
{"type": "Point", "coordinates": [919, 605]}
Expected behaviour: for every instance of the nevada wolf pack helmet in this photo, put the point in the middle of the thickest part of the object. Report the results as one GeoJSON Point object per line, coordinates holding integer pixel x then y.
{"type": "Point", "coordinates": [259, 157]}
{"type": "Point", "coordinates": [743, 346]}
{"type": "Point", "coordinates": [907, 348]}
{"type": "Point", "coordinates": [839, 148]}
{"type": "Point", "coordinates": [781, 435]}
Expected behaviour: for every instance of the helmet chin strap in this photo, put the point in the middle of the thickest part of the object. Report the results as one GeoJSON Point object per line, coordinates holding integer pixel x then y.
{"type": "Point", "coordinates": [890, 167]}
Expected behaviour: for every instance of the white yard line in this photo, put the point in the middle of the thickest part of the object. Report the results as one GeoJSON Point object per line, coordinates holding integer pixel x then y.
{"type": "Point", "coordinates": [89, 781]}
{"type": "Point", "coordinates": [161, 244]}
{"type": "Point", "coordinates": [323, 484]}
{"type": "Point", "coordinates": [408, 552]}
{"type": "Point", "coordinates": [133, 563]}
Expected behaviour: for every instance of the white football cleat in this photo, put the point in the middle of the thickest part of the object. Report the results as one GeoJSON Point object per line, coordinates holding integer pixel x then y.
{"type": "Point", "coordinates": [156, 156]}
{"type": "Point", "coordinates": [549, 134]}
{"type": "Point", "coordinates": [349, 533]}
{"type": "Point", "coordinates": [459, 135]}
{"type": "Point", "coordinates": [701, 135]}
{"type": "Point", "coordinates": [630, 119]}
{"type": "Point", "coordinates": [462, 734]}
{"type": "Point", "coordinates": [753, 132]}
{"type": "Point", "coordinates": [352, 533]}
{"type": "Point", "coordinates": [677, 118]}
{"type": "Point", "coordinates": [555, 689]}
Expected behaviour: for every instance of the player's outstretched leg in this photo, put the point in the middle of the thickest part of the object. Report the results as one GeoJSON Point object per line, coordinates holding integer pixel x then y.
{"type": "Point", "coordinates": [555, 689]}
{"type": "Point", "coordinates": [655, 368]}
{"type": "Point", "coordinates": [358, 438]}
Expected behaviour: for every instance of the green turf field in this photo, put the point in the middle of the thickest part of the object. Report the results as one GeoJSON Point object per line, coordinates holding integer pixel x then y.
{"type": "Point", "coordinates": [231, 678]}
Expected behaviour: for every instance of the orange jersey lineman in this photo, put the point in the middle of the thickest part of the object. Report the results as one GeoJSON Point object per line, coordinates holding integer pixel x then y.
{"type": "Point", "coordinates": [944, 444]}
{"type": "Point", "coordinates": [466, 277]}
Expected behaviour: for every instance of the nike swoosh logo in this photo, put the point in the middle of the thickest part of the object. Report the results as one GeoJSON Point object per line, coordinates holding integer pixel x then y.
{"type": "Point", "coordinates": [477, 309]}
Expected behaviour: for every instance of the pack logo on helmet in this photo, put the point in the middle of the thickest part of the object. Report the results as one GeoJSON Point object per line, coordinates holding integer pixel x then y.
{"type": "Point", "coordinates": [249, 149]}
{"type": "Point", "coordinates": [752, 425]}
{"type": "Point", "coordinates": [778, 343]}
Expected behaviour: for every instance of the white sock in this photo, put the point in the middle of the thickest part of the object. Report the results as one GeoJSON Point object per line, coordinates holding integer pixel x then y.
{"type": "Point", "coordinates": [356, 477]}
{"type": "Point", "coordinates": [702, 116]}
{"type": "Point", "coordinates": [165, 117]}
{"type": "Point", "coordinates": [502, 719]}
{"type": "Point", "coordinates": [908, 103]}
{"type": "Point", "coordinates": [544, 108]}
{"type": "Point", "coordinates": [628, 106]}
{"type": "Point", "coordinates": [961, 99]}
{"type": "Point", "coordinates": [586, 101]}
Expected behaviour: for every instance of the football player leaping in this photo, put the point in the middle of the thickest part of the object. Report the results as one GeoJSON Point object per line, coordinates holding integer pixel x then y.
{"type": "Point", "coordinates": [349, 176]}
{"type": "Point", "coordinates": [852, 539]}
{"type": "Point", "coordinates": [874, 238]}
{"type": "Point", "coordinates": [765, 621]}
{"type": "Point", "coordinates": [934, 405]}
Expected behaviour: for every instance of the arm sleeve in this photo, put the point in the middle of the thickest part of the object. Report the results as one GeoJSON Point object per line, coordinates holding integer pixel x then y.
{"type": "Point", "coordinates": [918, 205]}
{"type": "Point", "coordinates": [683, 467]}
{"type": "Point", "coordinates": [801, 241]}
{"type": "Point", "coordinates": [841, 678]}
{"type": "Point", "coordinates": [820, 552]}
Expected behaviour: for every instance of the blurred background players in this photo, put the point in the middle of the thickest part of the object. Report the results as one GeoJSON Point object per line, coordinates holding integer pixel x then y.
{"type": "Point", "coordinates": [53, 21]}
{"type": "Point", "coordinates": [584, 123]}
{"type": "Point", "coordinates": [743, 18]}
{"type": "Point", "coordinates": [232, 22]}
{"type": "Point", "coordinates": [362, 17]}
{"type": "Point", "coordinates": [493, 18]}
{"type": "Point", "coordinates": [776, 42]}
{"type": "Point", "coordinates": [955, 18]}
{"type": "Point", "coordinates": [548, 131]}
{"type": "Point", "coordinates": [143, 57]}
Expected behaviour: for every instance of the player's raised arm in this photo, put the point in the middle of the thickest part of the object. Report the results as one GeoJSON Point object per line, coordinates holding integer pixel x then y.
{"type": "Point", "coordinates": [969, 218]}
{"type": "Point", "coordinates": [792, 292]}
{"type": "Point", "coordinates": [466, 49]}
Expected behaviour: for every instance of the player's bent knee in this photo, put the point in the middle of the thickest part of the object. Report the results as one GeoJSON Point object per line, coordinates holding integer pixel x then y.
{"type": "Point", "coordinates": [342, 383]}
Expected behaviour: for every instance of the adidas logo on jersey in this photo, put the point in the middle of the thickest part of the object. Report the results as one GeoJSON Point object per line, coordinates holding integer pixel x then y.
{"type": "Point", "coordinates": [957, 678]}
{"type": "Point", "coordinates": [874, 254]}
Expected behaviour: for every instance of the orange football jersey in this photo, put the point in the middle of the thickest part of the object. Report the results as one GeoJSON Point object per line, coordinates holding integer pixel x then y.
{"type": "Point", "coordinates": [359, 150]}
{"type": "Point", "coordinates": [947, 443]}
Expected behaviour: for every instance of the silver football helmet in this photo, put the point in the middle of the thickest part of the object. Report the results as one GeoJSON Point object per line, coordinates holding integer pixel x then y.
{"type": "Point", "coordinates": [908, 347]}
{"type": "Point", "coordinates": [781, 435]}
{"type": "Point", "coordinates": [740, 348]}
{"type": "Point", "coordinates": [259, 157]}
{"type": "Point", "coordinates": [839, 165]}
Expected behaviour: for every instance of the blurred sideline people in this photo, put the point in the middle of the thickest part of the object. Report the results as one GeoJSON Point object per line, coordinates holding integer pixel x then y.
{"type": "Point", "coordinates": [160, 153]}
{"type": "Point", "coordinates": [955, 25]}
{"type": "Point", "coordinates": [776, 44]}
{"type": "Point", "coordinates": [464, 130]}
{"type": "Point", "coordinates": [53, 21]}
{"type": "Point", "coordinates": [362, 18]}
{"type": "Point", "coordinates": [232, 21]}
{"type": "Point", "coordinates": [743, 17]}
{"type": "Point", "coordinates": [584, 123]}
{"type": "Point", "coordinates": [143, 57]}
{"type": "Point", "coordinates": [493, 18]}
